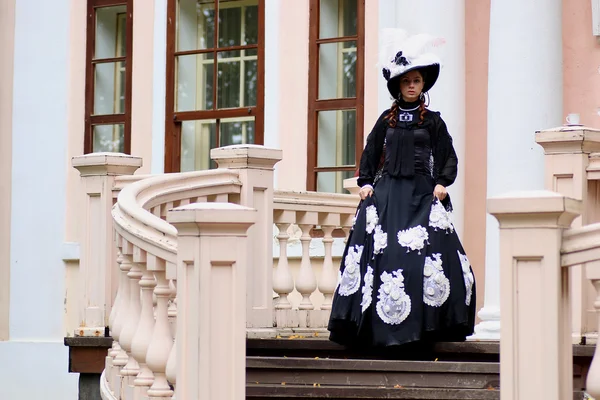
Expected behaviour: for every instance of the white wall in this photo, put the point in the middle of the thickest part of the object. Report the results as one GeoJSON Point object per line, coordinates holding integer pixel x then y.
{"type": "Point", "coordinates": [39, 141]}
{"type": "Point", "coordinates": [160, 88]}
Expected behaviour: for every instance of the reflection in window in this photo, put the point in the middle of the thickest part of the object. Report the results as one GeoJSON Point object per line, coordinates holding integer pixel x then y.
{"type": "Point", "coordinates": [107, 88]}
{"type": "Point", "coordinates": [214, 74]}
{"type": "Point", "coordinates": [335, 125]}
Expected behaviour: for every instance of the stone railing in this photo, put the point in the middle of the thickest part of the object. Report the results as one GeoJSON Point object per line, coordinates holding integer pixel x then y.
{"type": "Point", "coordinates": [538, 248]}
{"type": "Point", "coordinates": [315, 214]}
{"type": "Point", "coordinates": [572, 168]}
{"type": "Point", "coordinates": [168, 256]}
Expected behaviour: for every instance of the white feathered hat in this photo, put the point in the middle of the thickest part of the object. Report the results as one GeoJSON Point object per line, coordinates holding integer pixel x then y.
{"type": "Point", "coordinates": [400, 53]}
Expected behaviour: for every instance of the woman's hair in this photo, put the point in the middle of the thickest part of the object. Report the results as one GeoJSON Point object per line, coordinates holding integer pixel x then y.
{"type": "Point", "coordinates": [392, 116]}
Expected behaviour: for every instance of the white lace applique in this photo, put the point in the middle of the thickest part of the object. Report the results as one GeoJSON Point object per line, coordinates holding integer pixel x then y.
{"type": "Point", "coordinates": [354, 219]}
{"type": "Point", "coordinates": [413, 238]}
{"type": "Point", "coordinates": [367, 289]}
{"type": "Point", "coordinates": [379, 240]}
{"type": "Point", "coordinates": [468, 275]}
{"type": "Point", "coordinates": [350, 281]}
{"type": "Point", "coordinates": [393, 304]}
{"type": "Point", "coordinates": [372, 218]}
{"type": "Point", "coordinates": [440, 218]}
{"type": "Point", "coordinates": [436, 287]}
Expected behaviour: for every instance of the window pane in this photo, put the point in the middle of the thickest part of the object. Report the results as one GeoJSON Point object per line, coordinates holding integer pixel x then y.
{"type": "Point", "coordinates": [109, 88]}
{"type": "Point", "coordinates": [109, 138]}
{"type": "Point", "coordinates": [237, 131]}
{"type": "Point", "coordinates": [197, 138]}
{"type": "Point", "coordinates": [337, 70]}
{"type": "Point", "coordinates": [333, 182]}
{"type": "Point", "coordinates": [336, 132]}
{"type": "Point", "coordinates": [230, 26]}
{"type": "Point", "coordinates": [238, 22]}
{"type": "Point", "coordinates": [337, 18]}
{"type": "Point", "coordinates": [110, 32]}
{"type": "Point", "coordinates": [195, 25]}
{"type": "Point", "coordinates": [237, 79]}
{"type": "Point", "coordinates": [194, 82]}
{"type": "Point", "coordinates": [251, 24]}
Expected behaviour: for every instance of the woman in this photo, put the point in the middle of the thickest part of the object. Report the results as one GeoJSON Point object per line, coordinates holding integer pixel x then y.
{"type": "Point", "coordinates": [404, 275]}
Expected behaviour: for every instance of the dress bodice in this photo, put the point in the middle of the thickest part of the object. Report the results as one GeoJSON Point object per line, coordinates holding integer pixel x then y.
{"type": "Point", "coordinates": [408, 137]}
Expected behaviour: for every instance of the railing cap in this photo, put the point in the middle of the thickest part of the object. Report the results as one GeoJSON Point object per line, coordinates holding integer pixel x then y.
{"type": "Point", "coordinates": [534, 209]}
{"type": "Point", "coordinates": [217, 218]}
{"type": "Point", "coordinates": [569, 139]}
{"type": "Point", "coordinates": [246, 156]}
{"type": "Point", "coordinates": [106, 164]}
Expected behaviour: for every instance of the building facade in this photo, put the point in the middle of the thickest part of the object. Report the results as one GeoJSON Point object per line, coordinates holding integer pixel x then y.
{"type": "Point", "coordinates": [167, 80]}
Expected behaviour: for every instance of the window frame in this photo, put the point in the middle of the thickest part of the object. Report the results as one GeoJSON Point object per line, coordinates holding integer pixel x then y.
{"type": "Point", "coordinates": [107, 119]}
{"type": "Point", "coordinates": [174, 118]}
{"type": "Point", "coordinates": [350, 103]}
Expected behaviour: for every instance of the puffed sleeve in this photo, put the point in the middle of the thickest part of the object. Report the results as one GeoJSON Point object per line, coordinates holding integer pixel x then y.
{"type": "Point", "coordinates": [448, 161]}
{"type": "Point", "coordinates": [369, 161]}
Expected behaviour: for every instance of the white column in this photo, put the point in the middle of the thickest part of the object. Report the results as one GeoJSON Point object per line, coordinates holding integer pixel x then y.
{"type": "Point", "coordinates": [524, 95]}
{"type": "Point", "coordinates": [447, 20]}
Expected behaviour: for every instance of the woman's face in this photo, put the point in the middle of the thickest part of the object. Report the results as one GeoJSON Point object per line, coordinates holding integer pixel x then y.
{"type": "Point", "coordinates": [411, 85]}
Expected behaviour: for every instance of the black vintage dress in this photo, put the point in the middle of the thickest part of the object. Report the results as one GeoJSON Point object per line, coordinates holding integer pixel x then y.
{"type": "Point", "coordinates": [404, 275]}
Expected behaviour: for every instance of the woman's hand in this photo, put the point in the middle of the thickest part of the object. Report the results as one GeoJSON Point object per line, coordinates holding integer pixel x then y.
{"type": "Point", "coordinates": [440, 192]}
{"type": "Point", "coordinates": [365, 191]}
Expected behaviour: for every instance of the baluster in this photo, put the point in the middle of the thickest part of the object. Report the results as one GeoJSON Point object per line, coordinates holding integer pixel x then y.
{"type": "Point", "coordinates": [172, 310]}
{"type": "Point", "coordinates": [143, 333]}
{"type": "Point", "coordinates": [306, 283]}
{"type": "Point", "coordinates": [593, 378]}
{"type": "Point", "coordinates": [328, 279]}
{"type": "Point", "coordinates": [172, 361]}
{"type": "Point", "coordinates": [162, 341]}
{"type": "Point", "coordinates": [131, 368]}
{"type": "Point", "coordinates": [114, 351]}
{"type": "Point", "coordinates": [283, 281]}
{"type": "Point", "coordinates": [122, 316]}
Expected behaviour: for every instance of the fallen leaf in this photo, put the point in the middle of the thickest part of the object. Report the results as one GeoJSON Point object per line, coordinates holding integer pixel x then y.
{"type": "Point", "coordinates": [316, 334]}
{"type": "Point", "coordinates": [277, 337]}
{"type": "Point", "coordinates": [316, 358]}
{"type": "Point", "coordinates": [435, 360]}
{"type": "Point", "coordinates": [282, 383]}
{"type": "Point", "coordinates": [398, 387]}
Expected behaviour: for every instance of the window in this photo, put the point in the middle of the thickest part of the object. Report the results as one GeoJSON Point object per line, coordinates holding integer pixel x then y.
{"type": "Point", "coordinates": [108, 76]}
{"type": "Point", "coordinates": [336, 92]}
{"type": "Point", "coordinates": [215, 72]}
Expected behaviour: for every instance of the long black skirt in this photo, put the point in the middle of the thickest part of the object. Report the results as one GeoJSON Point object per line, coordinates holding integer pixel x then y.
{"type": "Point", "coordinates": [404, 275]}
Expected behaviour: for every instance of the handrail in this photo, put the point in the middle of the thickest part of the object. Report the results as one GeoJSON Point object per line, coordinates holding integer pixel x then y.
{"type": "Point", "coordinates": [131, 212]}
{"type": "Point", "coordinates": [580, 245]}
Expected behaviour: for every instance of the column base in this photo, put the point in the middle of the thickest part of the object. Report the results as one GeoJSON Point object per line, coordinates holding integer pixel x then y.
{"type": "Point", "coordinates": [489, 327]}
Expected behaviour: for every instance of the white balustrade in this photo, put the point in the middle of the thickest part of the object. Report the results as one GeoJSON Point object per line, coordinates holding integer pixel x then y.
{"type": "Point", "coordinates": [162, 341]}
{"type": "Point", "coordinates": [306, 282]}
{"type": "Point", "coordinates": [131, 369]}
{"type": "Point", "coordinates": [311, 213]}
{"type": "Point", "coordinates": [328, 280]}
{"type": "Point", "coordinates": [142, 336]}
{"type": "Point", "coordinates": [283, 281]}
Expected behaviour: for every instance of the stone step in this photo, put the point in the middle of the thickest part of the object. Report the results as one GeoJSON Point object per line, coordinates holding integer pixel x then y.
{"type": "Point", "coordinates": [266, 392]}
{"type": "Point", "coordinates": [259, 392]}
{"type": "Point", "coordinates": [372, 373]}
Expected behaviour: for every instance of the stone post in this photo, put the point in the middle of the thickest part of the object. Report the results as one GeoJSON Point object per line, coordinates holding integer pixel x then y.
{"type": "Point", "coordinates": [98, 265]}
{"type": "Point", "coordinates": [213, 264]}
{"type": "Point", "coordinates": [255, 165]}
{"type": "Point", "coordinates": [536, 355]}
